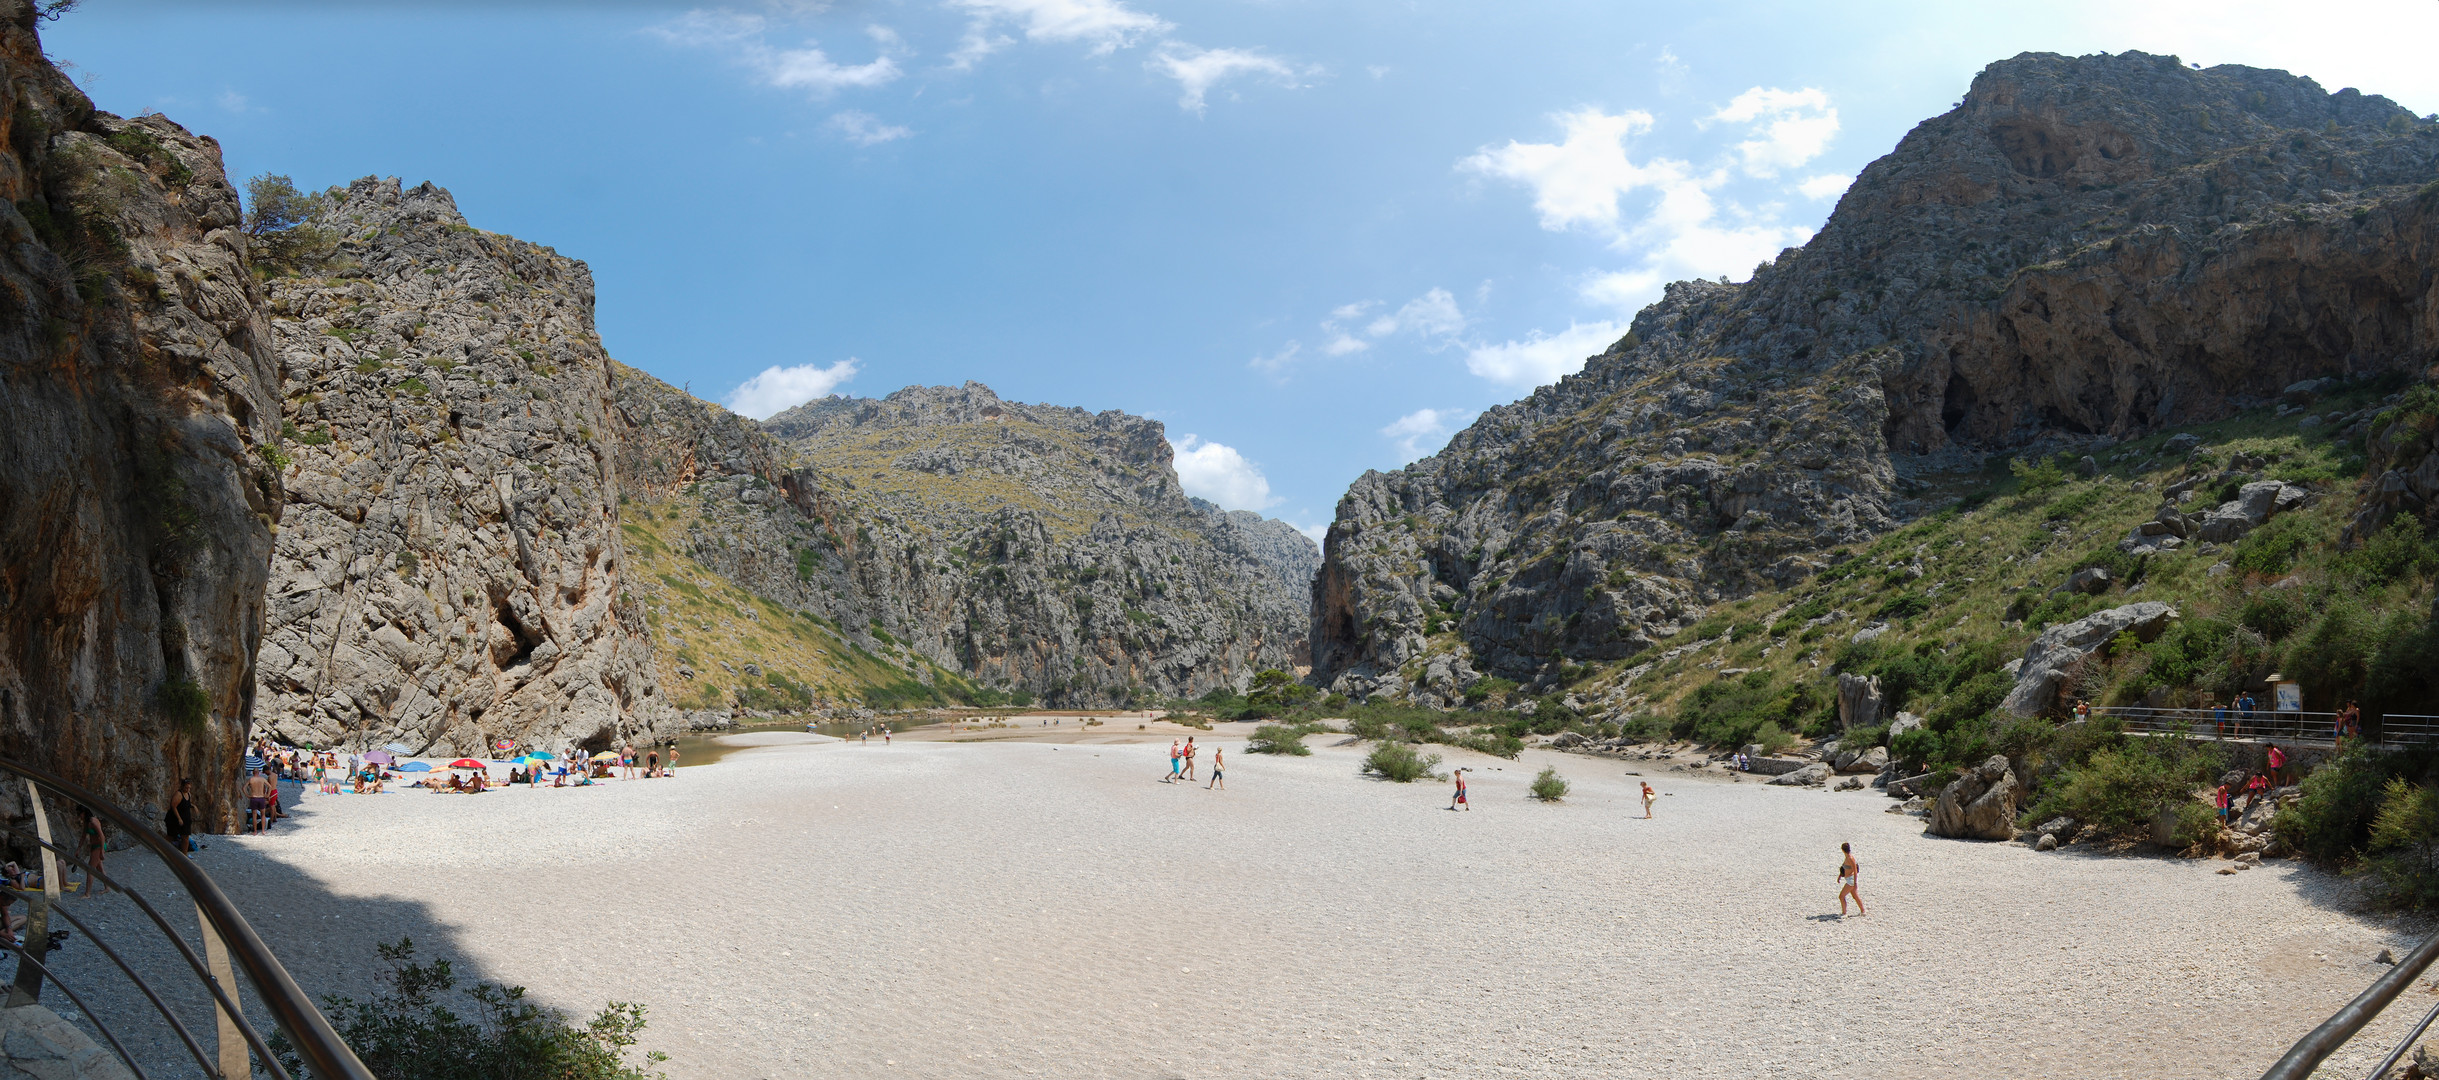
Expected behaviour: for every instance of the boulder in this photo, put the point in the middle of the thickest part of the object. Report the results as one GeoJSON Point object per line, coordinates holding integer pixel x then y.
{"type": "Point", "coordinates": [1775, 766]}
{"type": "Point", "coordinates": [1980, 805]}
{"type": "Point", "coordinates": [2182, 444]}
{"type": "Point", "coordinates": [1864, 762]}
{"type": "Point", "coordinates": [1909, 787]}
{"type": "Point", "coordinates": [2057, 656]}
{"type": "Point", "coordinates": [2091, 581]}
{"type": "Point", "coordinates": [2048, 842]}
{"type": "Point", "coordinates": [1859, 700]}
{"type": "Point", "coordinates": [1904, 722]}
{"type": "Point", "coordinates": [1851, 783]}
{"type": "Point", "coordinates": [1812, 773]}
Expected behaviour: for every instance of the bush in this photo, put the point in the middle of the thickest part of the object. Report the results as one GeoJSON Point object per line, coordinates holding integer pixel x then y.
{"type": "Point", "coordinates": [2331, 819]}
{"type": "Point", "coordinates": [2396, 553]}
{"type": "Point", "coordinates": [1399, 762]}
{"type": "Point", "coordinates": [2124, 788]}
{"type": "Point", "coordinates": [1549, 787]}
{"type": "Point", "coordinates": [2271, 549]}
{"type": "Point", "coordinates": [2405, 840]}
{"type": "Point", "coordinates": [1280, 739]}
{"type": "Point", "coordinates": [408, 1031]}
{"type": "Point", "coordinates": [1729, 712]}
{"type": "Point", "coordinates": [1482, 689]}
{"type": "Point", "coordinates": [1773, 739]}
{"type": "Point", "coordinates": [189, 709]}
{"type": "Point", "coordinates": [2038, 478]}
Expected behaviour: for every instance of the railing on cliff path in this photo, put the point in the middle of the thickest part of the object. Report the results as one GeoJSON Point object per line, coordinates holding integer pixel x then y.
{"type": "Point", "coordinates": [2315, 1047]}
{"type": "Point", "coordinates": [2229, 724]}
{"type": "Point", "coordinates": [229, 945]}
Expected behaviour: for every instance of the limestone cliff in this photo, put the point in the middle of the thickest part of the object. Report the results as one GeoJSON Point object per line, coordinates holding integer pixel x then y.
{"type": "Point", "coordinates": [2083, 250]}
{"type": "Point", "coordinates": [1024, 547]}
{"type": "Point", "coordinates": [137, 395]}
{"type": "Point", "coordinates": [450, 571]}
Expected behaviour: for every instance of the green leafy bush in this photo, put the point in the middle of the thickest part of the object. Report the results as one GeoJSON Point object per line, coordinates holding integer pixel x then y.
{"type": "Point", "coordinates": [1484, 688]}
{"type": "Point", "coordinates": [2405, 845]}
{"type": "Point", "coordinates": [2038, 478]}
{"type": "Point", "coordinates": [1549, 786]}
{"type": "Point", "coordinates": [1281, 739]}
{"type": "Point", "coordinates": [2397, 553]}
{"type": "Point", "coordinates": [2122, 789]}
{"type": "Point", "coordinates": [1399, 762]}
{"type": "Point", "coordinates": [186, 705]}
{"type": "Point", "coordinates": [1730, 711]}
{"type": "Point", "coordinates": [2272, 549]}
{"type": "Point", "coordinates": [2330, 821]}
{"type": "Point", "coordinates": [408, 1030]}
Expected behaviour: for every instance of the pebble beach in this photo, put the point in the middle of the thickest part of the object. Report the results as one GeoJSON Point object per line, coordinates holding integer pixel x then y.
{"type": "Point", "coordinates": [1048, 906]}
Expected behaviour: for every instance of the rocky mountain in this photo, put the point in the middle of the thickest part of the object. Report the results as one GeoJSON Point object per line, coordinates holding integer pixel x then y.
{"type": "Point", "coordinates": [2085, 249]}
{"type": "Point", "coordinates": [449, 570]}
{"type": "Point", "coordinates": [140, 400]}
{"type": "Point", "coordinates": [1028, 547]}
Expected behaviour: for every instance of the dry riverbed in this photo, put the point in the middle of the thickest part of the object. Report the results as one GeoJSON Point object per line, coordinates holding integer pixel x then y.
{"type": "Point", "coordinates": [968, 909]}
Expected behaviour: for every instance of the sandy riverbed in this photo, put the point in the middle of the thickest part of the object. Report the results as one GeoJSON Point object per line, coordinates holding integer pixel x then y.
{"type": "Point", "coordinates": [967, 909]}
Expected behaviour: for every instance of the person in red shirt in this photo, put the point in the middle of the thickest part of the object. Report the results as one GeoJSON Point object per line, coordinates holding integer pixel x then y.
{"type": "Point", "coordinates": [2278, 767]}
{"type": "Point", "coordinates": [2253, 790]}
{"type": "Point", "coordinates": [2222, 800]}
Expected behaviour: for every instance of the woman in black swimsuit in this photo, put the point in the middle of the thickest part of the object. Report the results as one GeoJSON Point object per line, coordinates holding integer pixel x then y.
{"type": "Point", "coordinates": [1847, 872]}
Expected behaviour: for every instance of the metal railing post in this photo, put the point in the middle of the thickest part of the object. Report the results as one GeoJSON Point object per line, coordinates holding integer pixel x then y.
{"type": "Point", "coordinates": [2320, 1042]}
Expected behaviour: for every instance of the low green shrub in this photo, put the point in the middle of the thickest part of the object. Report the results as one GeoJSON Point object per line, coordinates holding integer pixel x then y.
{"type": "Point", "coordinates": [1399, 762]}
{"type": "Point", "coordinates": [186, 705]}
{"type": "Point", "coordinates": [2122, 789]}
{"type": "Point", "coordinates": [2405, 845]}
{"type": "Point", "coordinates": [1549, 786]}
{"type": "Point", "coordinates": [1281, 739]}
{"type": "Point", "coordinates": [408, 1031]}
{"type": "Point", "coordinates": [2330, 822]}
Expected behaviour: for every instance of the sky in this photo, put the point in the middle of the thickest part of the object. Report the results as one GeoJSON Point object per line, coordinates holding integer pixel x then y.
{"type": "Point", "coordinates": [1310, 238]}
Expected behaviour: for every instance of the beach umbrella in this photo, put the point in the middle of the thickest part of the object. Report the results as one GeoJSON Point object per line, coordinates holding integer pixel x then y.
{"type": "Point", "coordinates": [416, 766]}
{"type": "Point", "coordinates": [606, 755]}
{"type": "Point", "coordinates": [381, 757]}
{"type": "Point", "coordinates": [467, 763]}
{"type": "Point", "coordinates": [537, 755]}
{"type": "Point", "coordinates": [399, 748]}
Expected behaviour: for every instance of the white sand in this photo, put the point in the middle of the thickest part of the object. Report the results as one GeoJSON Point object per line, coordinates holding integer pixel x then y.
{"type": "Point", "coordinates": [1029, 908]}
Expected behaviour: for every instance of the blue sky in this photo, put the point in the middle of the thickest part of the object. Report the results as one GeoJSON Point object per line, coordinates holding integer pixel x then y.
{"type": "Point", "coordinates": [1311, 238]}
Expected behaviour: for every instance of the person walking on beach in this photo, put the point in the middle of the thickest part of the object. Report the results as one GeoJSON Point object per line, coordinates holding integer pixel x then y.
{"type": "Point", "coordinates": [1189, 759]}
{"type": "Point", "coordinates": [1847, 873]}
{"type": "Point", "coordinates": [95, 843]}
{"type": "Point", "coordinates": [1176, 757]}
{"type": "Point", "coordinates": [1649, 796]}
{"type": "Point", "coordinates": [1215, 770]}
{"type": "Point", "coordinates": [1458, 800]}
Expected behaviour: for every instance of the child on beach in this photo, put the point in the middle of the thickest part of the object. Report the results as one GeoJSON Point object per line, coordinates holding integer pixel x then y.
{"type": "Point", "coordinates": [2222, 800]}
{"type": "Point", "coordinates": [1648, 796]}
{"type": "Point", "coordinates": [1215, 770]}
{"type": "Point", "coordinates": [1847, 873]}
{"type": "Point", "coordinates": [1458, 800]}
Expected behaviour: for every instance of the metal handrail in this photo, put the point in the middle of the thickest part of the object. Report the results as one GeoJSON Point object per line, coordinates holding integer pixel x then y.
{"type": "Point", "coordinates": [2322, 1041]}
{"type": "Point", "coordinates": [316, 1042]}
{"type": "Point", "coordinates": [193, 1048]}
{"type": "Point", "coordinates": [24, 957]}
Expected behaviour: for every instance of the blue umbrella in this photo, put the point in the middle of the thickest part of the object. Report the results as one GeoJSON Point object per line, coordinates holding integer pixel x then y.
{"type": "Point", "coordinates": [416, 766]}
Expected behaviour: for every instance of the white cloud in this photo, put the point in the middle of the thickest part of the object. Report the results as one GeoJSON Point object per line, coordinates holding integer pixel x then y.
{"type": "Point", "coordinates": [1825, 185]}
{"type": "Point", "coordinates": [1433, 315]}
{"type": "Point", "coordinates": [806, 68]}
{"type": "Point", "coordinates": [1424, 426]}
{"type": "Point", "coordinates": [234, 101]}
{"type": "Point", "coordinates": [1684, 229]}
{"type": "Point", "coordinates": [1215, 471]}
{"type": "Point", "coordinates": [865, 129]}
{"type": "Point", "coordinates": [1792, 127]}
{"type": "Point", "coordinates": [1318, 531]}
{"type": "Point", "coordinates": [778, 389]}
{"type": "Point", "coordinates": [1541, 358]}
{"type": "Point", "coordinates": [1278, 361]}
{"type": "Point", "coordinates": [1343, 344]}
{"type": "Point", "coordinates": [1377, 72]}
{"type": "Point", "coordinates": [1198, 70]}
{"type": "Point", "coordinates": [1106, 25]}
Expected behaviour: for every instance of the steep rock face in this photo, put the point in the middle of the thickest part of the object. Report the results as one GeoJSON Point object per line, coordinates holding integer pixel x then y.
{"type": "Point", "coordinates": [1027, 546]}
{"type": "Point", "coordinates": [137, 388]}
{"type": "Point", "coordinates": [2084, 249]}
{"type": "Point", "coordinates": [449, 571]}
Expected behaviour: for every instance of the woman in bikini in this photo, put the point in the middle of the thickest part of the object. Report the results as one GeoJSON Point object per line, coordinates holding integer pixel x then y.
{"type": "Point", "coordinates": [1215, 770]}
{"type": "Point", "coordinates": [1847, 872]}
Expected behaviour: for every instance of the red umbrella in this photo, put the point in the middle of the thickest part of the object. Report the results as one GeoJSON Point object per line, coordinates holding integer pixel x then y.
{"type": "Point", "coordinates": [467, 763]}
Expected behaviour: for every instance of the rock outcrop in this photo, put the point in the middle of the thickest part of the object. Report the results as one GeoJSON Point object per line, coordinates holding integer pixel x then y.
{"type": "Point", "coordinates": [1030, 547]}
{"type": "Point", "coordinates": [449, 571]}
{"type": "Point", "coordinates": [138, 398]}
{"type": "Point", "coordinates": [2057, 656]}
{"type": "Point", "coordinates": [2084, 249]}
{"type": "Point", "coordinates": [1979, 805]}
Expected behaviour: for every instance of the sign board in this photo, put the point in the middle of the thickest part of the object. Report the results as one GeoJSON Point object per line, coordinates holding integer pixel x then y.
{"type": "Point", "coordinates": [2290, 696]}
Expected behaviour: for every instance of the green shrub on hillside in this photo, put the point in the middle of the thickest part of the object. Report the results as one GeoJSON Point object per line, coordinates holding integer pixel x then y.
{"type": "Point", "coordinates": [2038, 478]}
{"type": "Point", "coordinates": [2124, 788]}
{"type": "Point", "coordinates": [2405, 844]}
{"type": "Point", "coordinates": [2331, 821]}
{"type": "Point", "coordinates": [1730, 711]}
{"type": "Point", "coordinates": [2271, 550]}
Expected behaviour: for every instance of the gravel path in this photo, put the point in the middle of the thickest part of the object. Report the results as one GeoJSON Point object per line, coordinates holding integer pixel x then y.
{"type": "Point", "coordinates": [1030, 908]}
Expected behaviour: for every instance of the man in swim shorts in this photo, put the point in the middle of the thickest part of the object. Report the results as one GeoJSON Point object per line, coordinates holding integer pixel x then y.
{"type": "Point", "coordinates": [258, 800]}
